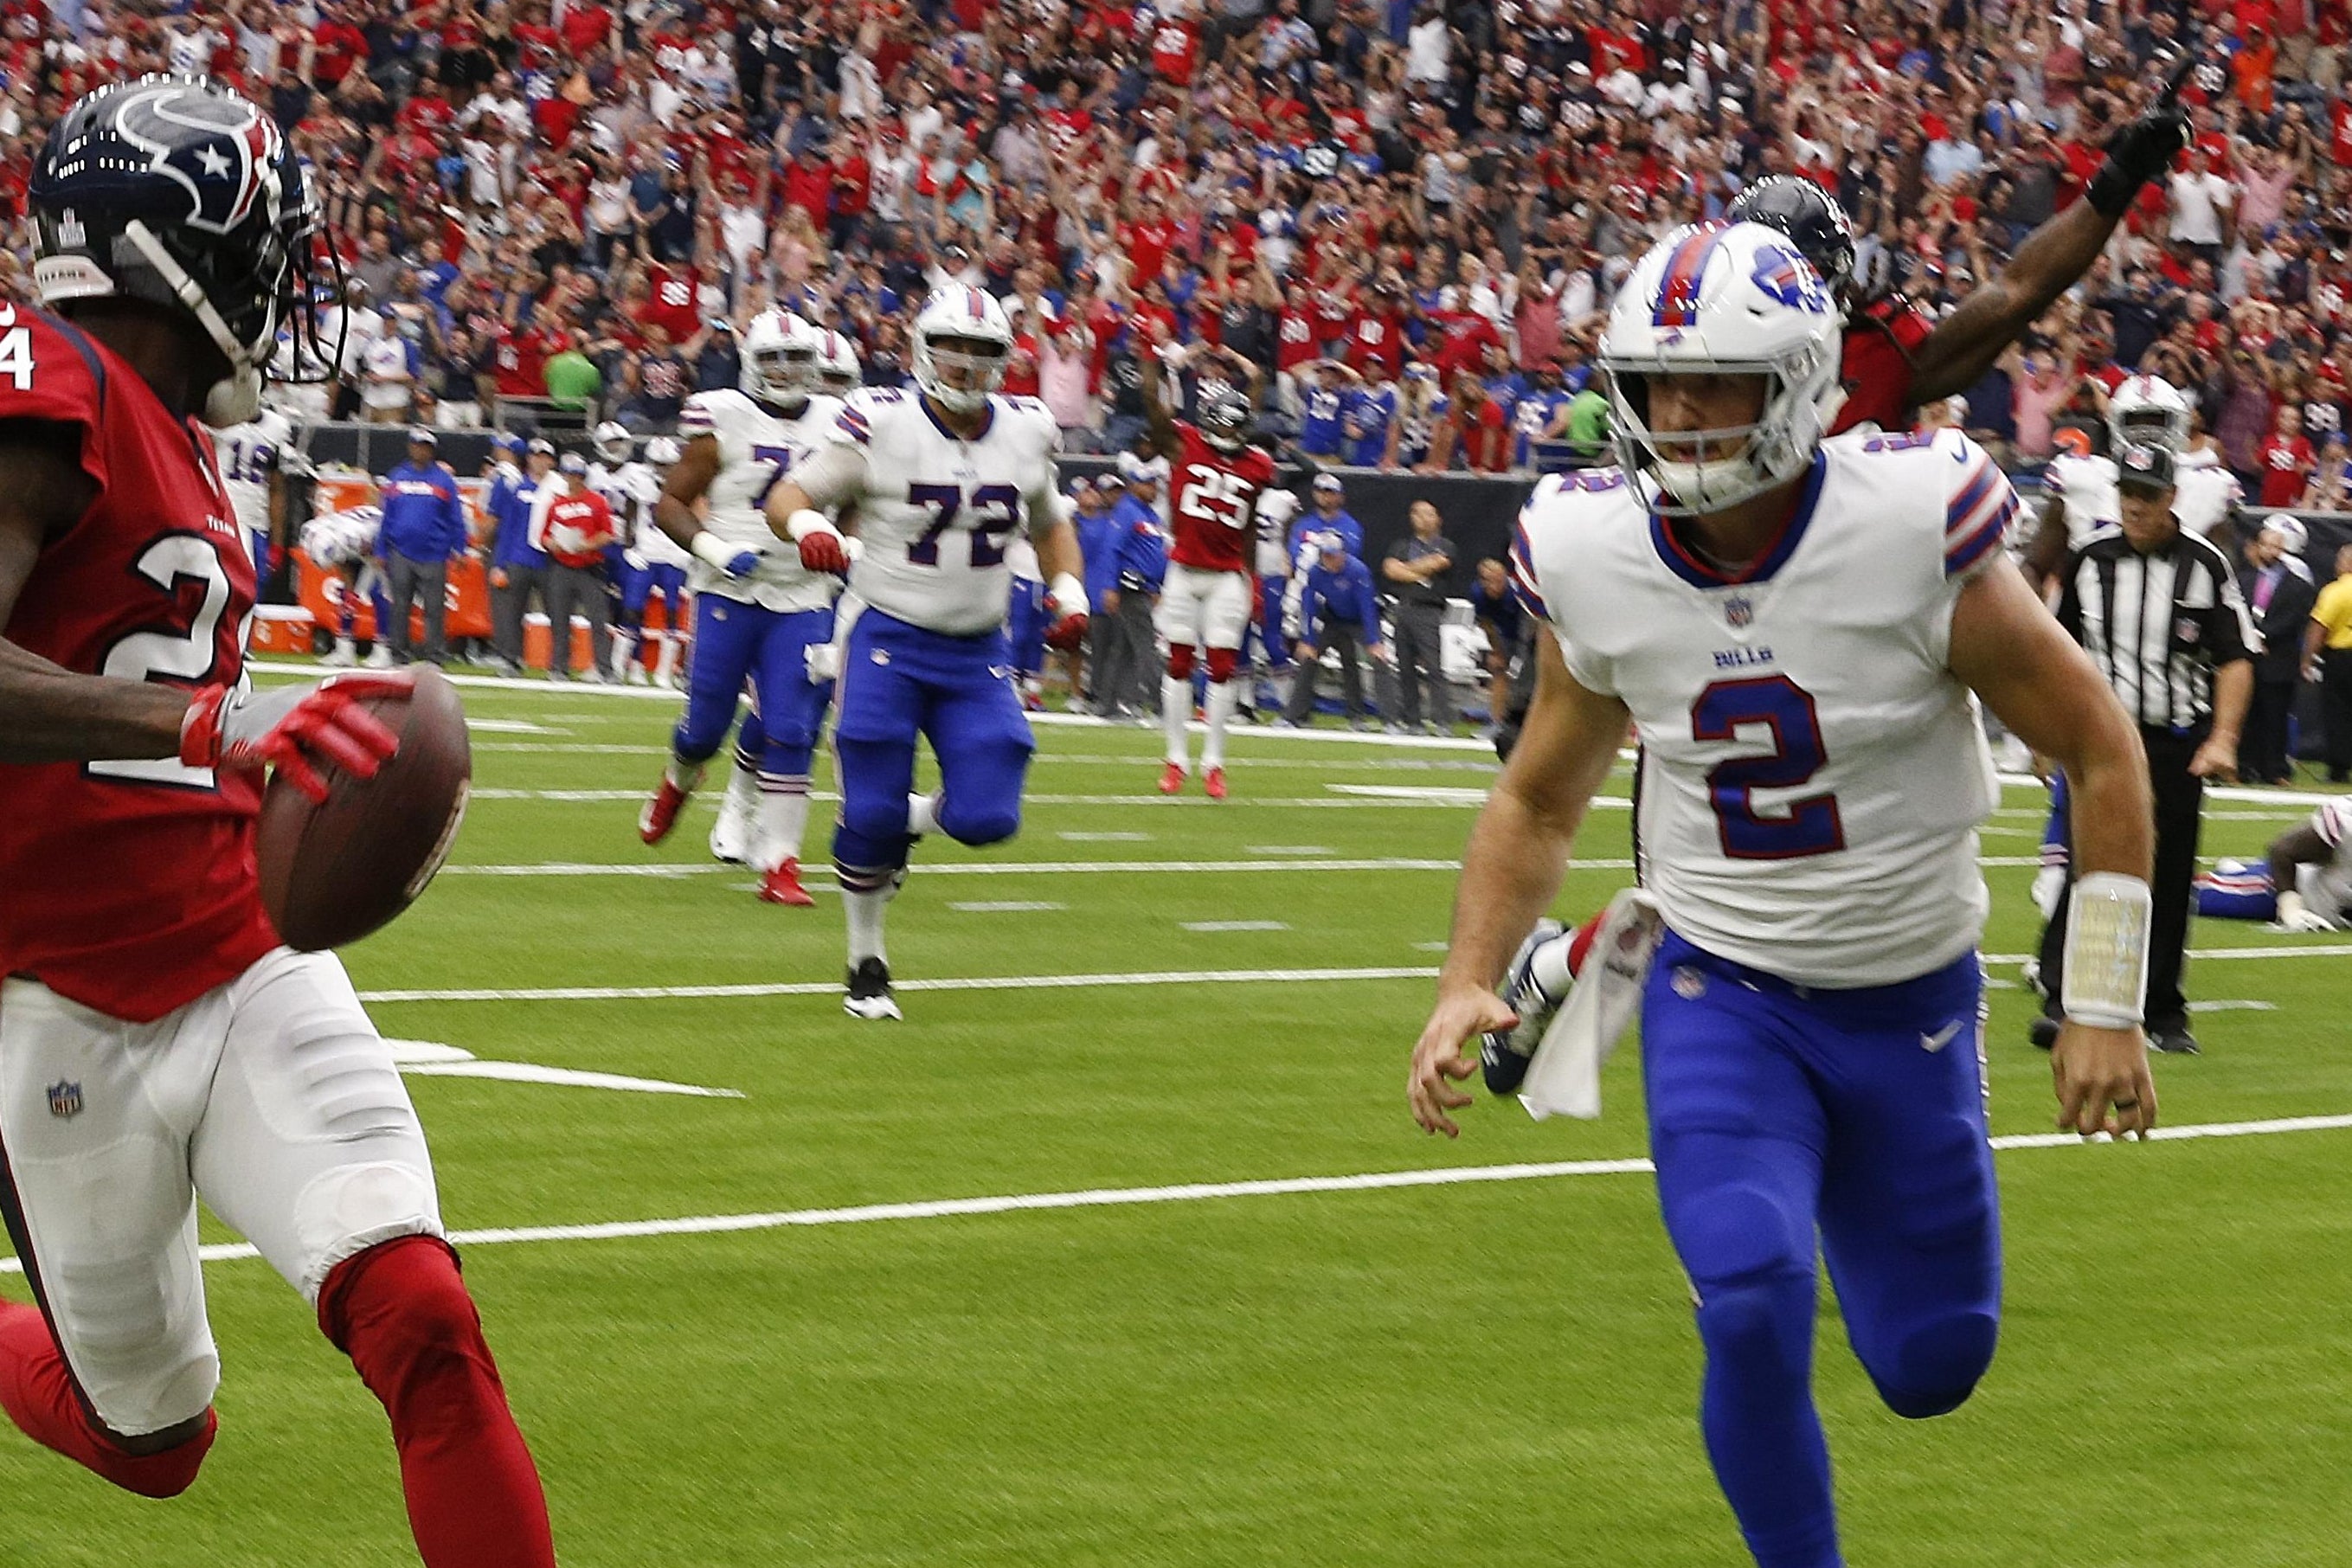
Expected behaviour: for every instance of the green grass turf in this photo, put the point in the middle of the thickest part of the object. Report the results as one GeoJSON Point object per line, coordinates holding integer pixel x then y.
{"type": "Point", "coordinates": [1482, 1375]}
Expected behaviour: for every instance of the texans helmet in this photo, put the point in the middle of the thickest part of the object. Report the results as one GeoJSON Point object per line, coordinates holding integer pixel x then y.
{"type": "Point", "coordinates": [176, 191]}
{"type": "Point", "coordinates": [1807, 214]}
{"type": "Point", "coordinates": [1225, 420]}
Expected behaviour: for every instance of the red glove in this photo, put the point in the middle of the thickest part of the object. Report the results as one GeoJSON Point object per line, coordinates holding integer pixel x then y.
{"type": "Point", "coordinates": [1068, 633]}
{"type": "Point", "coordinates": [293, 727]}
{"type": "Point", "coordinates": [823, 551]}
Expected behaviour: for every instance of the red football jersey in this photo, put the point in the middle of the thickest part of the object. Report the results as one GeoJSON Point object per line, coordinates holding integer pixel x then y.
{"type": "Point", "coordinates": [131, 886]}
{"type": "Point", "coordinates": [1876, 366]}
{"type": "Point", "coordinates": [1213, 498]}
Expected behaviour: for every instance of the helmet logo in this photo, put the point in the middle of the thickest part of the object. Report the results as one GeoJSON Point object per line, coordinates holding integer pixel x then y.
{"type": "Point", "coordinates": [227, 171]}
{"type": "Point", "coordinates": [1786, 278]}
{"type": "Point", "coordinates": [71, 232]}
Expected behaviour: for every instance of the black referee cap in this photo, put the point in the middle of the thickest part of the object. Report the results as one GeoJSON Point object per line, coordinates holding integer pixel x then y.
{"type": "Point", "coordinates": [2144, 468]}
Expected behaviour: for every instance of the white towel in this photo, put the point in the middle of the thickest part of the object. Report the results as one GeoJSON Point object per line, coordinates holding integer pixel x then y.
{"type": "Point", "coordinates": [1564, 1078]}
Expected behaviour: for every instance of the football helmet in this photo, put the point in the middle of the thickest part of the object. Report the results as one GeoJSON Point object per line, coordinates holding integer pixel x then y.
{"type": "Point", "coordinates": [2148, 411]}
{"type": "Point", "coordinates": [837, 370]}
{"type": "Point", "coordinates": [1808, 214]}
{"type": "Point", "coordinates": [780, 357]}
{"type": "Point", "coordinates": [1721, 299]}
{"type": "Point", "coordinates": [661, 451]}
{"type": "Point", "coordinates": [1225, 420]}
{"type": "Point", "coordinates": [972, 319]}
{"type": "Point", "coordinates": [176, 191]}
{"type": "Point", "coordinates": [612, 442]}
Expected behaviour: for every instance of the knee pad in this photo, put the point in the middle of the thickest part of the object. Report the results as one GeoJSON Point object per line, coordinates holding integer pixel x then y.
{"type": "Point", "coordinates": [164, 1475]}
{"type": "Point", "coordinates": [990, 823]}
{"type": "Point", "coordinates": [1180, 660]}
{"type": "Point", "coordinates": [1737, 1232]}
{"type": "Point", "coordinates": [402, 1313]}
{"type": "Point", "coordinates": [1221, 664]}
{"type": "Point", "coordinates": [1937, 1365]}
{"type": "Point", "coordinates": [879, 822]}
{"type": "Point", "coordinates": [697, 737]}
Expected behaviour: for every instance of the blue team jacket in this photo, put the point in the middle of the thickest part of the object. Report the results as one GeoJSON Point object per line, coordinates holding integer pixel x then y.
{"type": "Point", "coordinates": [1342, 595]}
{"type": "Point", "coordinates": [1141, 549]}
{"type": "Point", "coordinates": [423, 518]}
{"type": "Point", "coordinates": [509, 508]}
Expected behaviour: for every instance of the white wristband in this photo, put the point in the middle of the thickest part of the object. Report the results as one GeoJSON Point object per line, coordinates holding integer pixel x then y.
{"type": "Point", "coordinates": [804, 522]}
{"type": "Point", "coordinates": [1068, 595]}
{"type": "Point", "coordinates": [2107, 925]}
{"type": "Point", "coordinates": [716, 553]}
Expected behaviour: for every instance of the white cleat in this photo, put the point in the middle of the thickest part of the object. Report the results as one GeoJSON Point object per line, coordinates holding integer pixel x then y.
{"type": "Point", "coordinates": [731, 834]}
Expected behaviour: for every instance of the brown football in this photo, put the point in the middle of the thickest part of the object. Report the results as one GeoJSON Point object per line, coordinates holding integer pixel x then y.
{"type": "Point", "coordinates": [334, 871]}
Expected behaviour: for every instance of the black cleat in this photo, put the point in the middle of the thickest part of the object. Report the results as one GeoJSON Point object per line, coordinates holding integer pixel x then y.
{"type": "Point", "coordinates": [2173, 1041]}
{"type": "Point", "coordinates": [2042, 1032]}
{"type": "Point", "coordinates": [869, 994]}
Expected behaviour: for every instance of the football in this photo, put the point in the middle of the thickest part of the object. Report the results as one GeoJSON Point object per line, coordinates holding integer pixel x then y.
{"type": "Point", "coordinates": [334, 871]}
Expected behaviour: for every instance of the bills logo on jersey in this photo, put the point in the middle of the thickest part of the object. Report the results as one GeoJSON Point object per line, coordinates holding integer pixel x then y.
{"type": "Point", "coordinates": [65, 1099]}
{"type": "Point", "coordinates": [1783, 275]}
{"type": "Point", "coordinates": [225, 173]}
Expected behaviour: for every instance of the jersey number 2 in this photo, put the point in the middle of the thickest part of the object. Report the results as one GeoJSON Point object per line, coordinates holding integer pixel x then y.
{"type": "Point", "coordinates": [1806, 826]}
{"type": "Point", "coordinates": [191, 656]}
{"type": "Point", "coordinates": [995, 512]}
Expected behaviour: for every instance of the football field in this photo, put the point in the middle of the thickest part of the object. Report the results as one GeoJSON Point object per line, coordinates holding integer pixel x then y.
{"type": "Point", "coordinates": [1122, 1248]}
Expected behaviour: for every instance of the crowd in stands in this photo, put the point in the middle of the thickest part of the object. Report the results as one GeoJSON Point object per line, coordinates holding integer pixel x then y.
{"type": "Point", "coordinates": [1412, 212]}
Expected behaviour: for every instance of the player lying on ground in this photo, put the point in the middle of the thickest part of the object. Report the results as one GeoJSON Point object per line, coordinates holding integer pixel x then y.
{"type": "Point", "coordinates": [1794, 628]}
{"type": "Point", "coordinates": [2312, 863]}
{"type": "Point", "coordinates": [157, 1042]}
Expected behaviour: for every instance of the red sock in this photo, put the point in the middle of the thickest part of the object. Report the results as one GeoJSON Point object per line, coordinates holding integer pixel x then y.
{"type": "Point", "coordinates": [401, 1313]}
{"type": "Point", "coordinates": [39, 1394]}
{"type": "Point", "coordinates": [1581, 945]}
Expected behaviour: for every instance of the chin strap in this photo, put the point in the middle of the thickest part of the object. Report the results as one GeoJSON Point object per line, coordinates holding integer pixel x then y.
{"type": "Point", "coordinates": [235, 397]}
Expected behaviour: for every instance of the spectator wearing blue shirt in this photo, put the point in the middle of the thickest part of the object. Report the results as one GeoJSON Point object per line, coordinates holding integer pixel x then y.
{"type": "Point", "coordinates": [1330, 516]}
{"type": "Point", "coordinates": [517, 572]}
{"type": "Point", "coordinates": [1539, 415]}
{"type": "Point", "coordinates": [1337, 611]}
{"type": "Point", "coordinates": [1369, 408]}
{"type": "Point", "coordinates": [424, 525]}
{"type": "Point", "coordinates": [1096, 546]}
{"type": "Point", "coordinates": [1321, 402]}
{"type": "Point", "coordinates": [1126, 676]}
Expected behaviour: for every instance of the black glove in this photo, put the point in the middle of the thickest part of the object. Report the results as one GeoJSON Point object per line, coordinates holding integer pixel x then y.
{"type": "Point", "coordinates": [2144, 149]}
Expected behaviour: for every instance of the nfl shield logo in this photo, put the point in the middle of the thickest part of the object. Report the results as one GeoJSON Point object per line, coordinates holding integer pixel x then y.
{"type": "Point", "coordinates": [65, 1099]}
{"type": "Point", "coordinates": [1738, 609]}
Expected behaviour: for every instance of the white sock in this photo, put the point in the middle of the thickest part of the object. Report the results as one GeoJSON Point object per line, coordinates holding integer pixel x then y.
{"type": "Point", "coordinates": [667, 669]}
{"type": "Point", "coordinates": [922, 815]}
{"type": "Point", "coordinates": [865, 910]}
{"type": "Point", "coordinates": [1175, 707]}
{"type": "Point", "coordinates": [625, 651]}
{"type": "Point", "coordinates": [1224, 697]}
{"type": "Point", "coordinates": [784, 818]}
{"type": "Point", "coordinates": [1549, 966]}
{"type": "Point", "coordinates": [686, 774]}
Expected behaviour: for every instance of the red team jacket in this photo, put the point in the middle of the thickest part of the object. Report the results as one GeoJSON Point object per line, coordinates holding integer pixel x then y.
{"type": "Point", "coordinates": [128, 887]}
{"type": "Point", "coordinates": [1213, 503]}
{"type": "Point", "coordinates": [1875, 369]}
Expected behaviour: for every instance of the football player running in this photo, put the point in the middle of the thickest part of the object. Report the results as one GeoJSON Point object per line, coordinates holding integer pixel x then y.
{"type": "Point", "coordinates": [256, 456]}
{"type": "Point", "coordinates": [157, 1041]}
{"type": "Point", "coordinates": [1214, 480]}
{"type": "Point", "coordinates": [942, 480]}
{"type": "Point", "coordinates": [1794, 628]}
{"type": "Point", "coordinates": [761, 614]}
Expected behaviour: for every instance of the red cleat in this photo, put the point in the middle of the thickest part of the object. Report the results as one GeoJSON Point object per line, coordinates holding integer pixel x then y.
{"type": "Point", "coordinates": [1213, 782]}
{"type": "Point", "coordinates": [1172, 778]}
{"type": "Point", "coordinates": [660, 814]}
{"type": "Point", "coordinates": [782, 886]}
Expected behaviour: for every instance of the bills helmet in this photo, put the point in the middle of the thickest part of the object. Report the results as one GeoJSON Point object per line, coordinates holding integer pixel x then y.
{"type": "Point", "coordinates": [661, 451]}
{"type": "Point", "coordinates": [175, 191]}
{"type": "Point", "coordinates": [961, 329]}
{"type": "Point", "coordinates": [2148, 411]}
{"type": "Point", "coordinates": [837, 370]}
{"type": "Point", "coordinates": [612, 442]}
{"type": "Point", "coordinates": [780, 357]}
{"type": "Point", "coordinates": [1716, 299]}
{"type": "Point", "coordinates": [1808, 214]}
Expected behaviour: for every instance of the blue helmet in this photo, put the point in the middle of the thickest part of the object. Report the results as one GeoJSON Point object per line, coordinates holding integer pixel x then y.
{"type": "Point", "coordinates": [176, 191]}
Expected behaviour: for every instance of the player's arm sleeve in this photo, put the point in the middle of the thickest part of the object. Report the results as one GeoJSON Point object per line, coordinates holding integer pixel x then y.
{"type": "Point", "coordinates": [1529, 586]}
{"type": "Point", "coordinates": [1979, 506]}
{"type": "Point", "coordinates": [66, 389]}
{"type": "Point", "coordinates": [834, 472]}
{"type": "Point", "coordinates": [2229, 634]}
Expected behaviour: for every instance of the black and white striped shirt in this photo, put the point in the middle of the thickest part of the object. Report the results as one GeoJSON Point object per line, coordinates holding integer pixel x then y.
{"type": "Point", "coordinates": [2159, 625]}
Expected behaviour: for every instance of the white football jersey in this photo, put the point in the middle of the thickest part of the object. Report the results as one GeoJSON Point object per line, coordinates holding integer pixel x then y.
{"type": "Point", "coordinates": [2204, 490]}
{"type": "Point", "coordinates": [1812, 775]}
{"type": "Point", "coordinates": [2328, 889]}
{"type": "Point", "coordinates": [938, 513]}
{"type": "Point", "coordinates": [755, 448]}
{"type": "Point", "coordinates": [342, 538]}
{"type": "Point", "coordinates": [249, 454]}
{"type": "Point", "coordinates": [2086, 488]}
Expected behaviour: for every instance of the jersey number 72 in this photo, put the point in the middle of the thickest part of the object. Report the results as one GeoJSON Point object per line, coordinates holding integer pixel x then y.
{"type": "Point", "coordinates": [991, 515]}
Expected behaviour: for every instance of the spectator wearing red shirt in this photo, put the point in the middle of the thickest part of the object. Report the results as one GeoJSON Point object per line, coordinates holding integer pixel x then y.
{"type": "Point", "coordinates": [1475, 433]}
{"type": "Point", "coordinates": [2285, 458]}
{"type": "Point", "coordinates": [1146, 241]}
{"type": "Point", "coordinates": [808, 185]}
{"type": "Point", "coordinates": [336, 47]}
{"type": "Point", "coordinates": [586, 28]}
{"type": "Point", "coordinates": [852, 192]}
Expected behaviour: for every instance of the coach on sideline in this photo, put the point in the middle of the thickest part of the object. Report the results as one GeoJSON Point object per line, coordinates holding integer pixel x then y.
{"type": "Point", "coordinates": [2158, 610]}
{"type": "Point", "coordinates": [424, 525]}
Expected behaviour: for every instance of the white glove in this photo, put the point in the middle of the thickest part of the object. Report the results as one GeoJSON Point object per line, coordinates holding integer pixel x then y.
{"type": "Point", "coordinates": [2295, 915]}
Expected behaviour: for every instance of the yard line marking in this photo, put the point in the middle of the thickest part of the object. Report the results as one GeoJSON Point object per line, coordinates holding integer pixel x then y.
{"type": "Point", "coordinates": [511, 727]}
{"type": "Point", "coordinates": [1432, 947]}
{"type": "Point", "coordinates": [967, 983]}
{"type": "Point", "coordinates": [1069, 838]}
{"type": "Point", "coordinates": [1235, 925]}
{"type": "Point", "coordinates": [1291, 849]}
{"type": "Point", "coordinates": [1007, 907]}
{"type": "Point", "coordinates": [1186, 1192]}
{"type": "Point", "coordinates": [2240, 1006]}
{"type": "Point", "coordinates": [996, 867]}
{"type": "Point", "coordinates": [567, 1077]}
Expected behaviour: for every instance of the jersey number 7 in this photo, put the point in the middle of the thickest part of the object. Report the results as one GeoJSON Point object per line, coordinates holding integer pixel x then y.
{"type": "Point", "coordinates": [994, 512]}
{"type": "Point", "coordinates": [1811, 826]}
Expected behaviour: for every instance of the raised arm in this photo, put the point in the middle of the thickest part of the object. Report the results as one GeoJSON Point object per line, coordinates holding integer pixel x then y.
{"type": "Point", "coordinates": [1156, 418]}
{"type": "Point", "coordinates": [1512, 871]}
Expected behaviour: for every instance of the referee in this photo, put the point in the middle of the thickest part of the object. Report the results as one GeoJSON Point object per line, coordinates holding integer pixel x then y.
{"type": "Point", "coordinates": [2159, 612]}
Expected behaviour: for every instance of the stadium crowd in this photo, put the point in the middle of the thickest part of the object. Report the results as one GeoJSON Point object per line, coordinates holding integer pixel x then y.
{"type": "Point", "coordinates": [1412, 213]}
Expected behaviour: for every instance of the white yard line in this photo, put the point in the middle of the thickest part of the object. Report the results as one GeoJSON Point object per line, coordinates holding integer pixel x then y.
{"type": "Point", "coordinates": [1190, 1192]}
{"type": "Point", "coordinates": [664, 868]}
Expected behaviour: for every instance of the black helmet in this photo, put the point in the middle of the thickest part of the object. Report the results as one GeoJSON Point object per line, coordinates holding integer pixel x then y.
{"type": "Point", "coordinates": [1808, 214]}
{"type": "Point", "coordinates": [176, 191]}
{"type": "Point", "coordinates": [1225, 420]}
